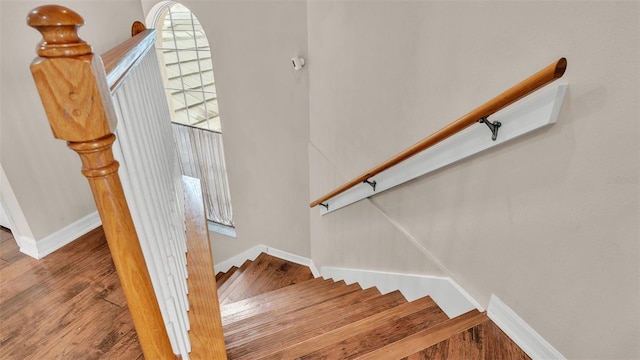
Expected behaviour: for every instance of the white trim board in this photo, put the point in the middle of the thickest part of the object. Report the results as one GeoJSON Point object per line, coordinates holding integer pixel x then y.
{"type": "Point", "coordinates": [252, 254]}
{"type": "Point", "coordinates": [45, 246]}
{"type": "Point", "coordinates": [520, 332]}
{"type": "Point", "coordinates": [449, 296]}
{"type": "Point", "coordinates": [535, 111]}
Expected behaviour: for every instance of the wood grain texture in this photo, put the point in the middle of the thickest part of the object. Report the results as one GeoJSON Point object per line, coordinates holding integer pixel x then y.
{"type": "Point", "coordinates": [484, 341]}
{"type": "Point", "coordinates": [266, 273]}
{"type": "Point", "coordinates": [286, 317]}
{"type": "Point", "coordinates": [222, 277]}
{"type": "Point", "coordinates": [119, 60]}
{"type": "Point", "coordinates": [73, 90]}
{"type": "Point", "coordinates": [387, 332]}
{"type": "Point", "coordinates": [60, 307]}
{"type": "Point", "coordinates": [207, 339]}
{"type": "Point", "coordinates": [277, 299]}
{"type": "Point", "coordinates": [543, 77]}
{"type": "Point", "coordinates": [425, 338]}
{"type": "Point", "coordinates": [284, 324]}
{"type": "Point", "coordinates": [351, 338]}
{"type": "Point", "coordinates": [328, 318]}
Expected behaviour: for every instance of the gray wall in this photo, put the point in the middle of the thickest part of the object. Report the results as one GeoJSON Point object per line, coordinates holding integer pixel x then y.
{"type": "Point", "coordinates": [42, 172]}
{"type": "Point", "coordinates": [563, 252]}
{"type": "Point", "coordinates": [549, 222]}
{"type": "Point", "coordinates": [264, 111]}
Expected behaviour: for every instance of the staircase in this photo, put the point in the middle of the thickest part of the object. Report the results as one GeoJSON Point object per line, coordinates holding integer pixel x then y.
{"type": "Point", "coordinates": [275, 309]}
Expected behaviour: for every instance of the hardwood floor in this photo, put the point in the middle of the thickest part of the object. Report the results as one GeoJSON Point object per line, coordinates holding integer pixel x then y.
{"type": "Point", "coordinates": [68, 305]}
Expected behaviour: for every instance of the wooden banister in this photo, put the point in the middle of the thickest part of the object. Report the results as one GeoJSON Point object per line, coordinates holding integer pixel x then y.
{"type": "Point", "coordinates": [122, 58]}
{"type": "Point", "coordinates": [207, 338]}
{"type": "Point", "coordinates": [543, 77]}
{"type": "Point", "coordinates": [73, 88]}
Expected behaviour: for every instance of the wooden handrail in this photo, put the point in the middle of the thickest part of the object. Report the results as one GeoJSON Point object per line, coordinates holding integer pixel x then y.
{"type": "Point", "coordinates": [119, 61]}
{"type": "Point", "coordinates": [543, 77]}
{"type": "Point", "coordinates": [206, 336]}
{"type": "Point", "coordinates": [73, 89]}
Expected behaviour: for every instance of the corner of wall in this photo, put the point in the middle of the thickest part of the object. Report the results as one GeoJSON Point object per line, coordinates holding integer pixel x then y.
{"type": "Point", "coordinates": [40, 248]}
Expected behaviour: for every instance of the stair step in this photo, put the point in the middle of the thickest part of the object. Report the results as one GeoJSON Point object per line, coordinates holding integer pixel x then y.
{"type": "Point", "coordinates": [413, 344]}
{"type": "Point", "coordinates": [277, 274]}
{"type": "Point", "coordinates": [305, 309]}
{"type": "Point", "coordinates": [316, 320]}
{"type": "Point", "coordinates": [298, 290]}
{"type": "Point", "coordinates": [228, 285]}
{"type": "Point", "coordinates": [285, 324]}
{"type": "Point", "coordinates": [275, 309]}
{"type": "Point", "coordinates": [266, 273]}
{"type": "Point", "coordinates": [219, 275]}
{"type": "Point", "coordinates": [296, 297]}
{"type": "Point", "coordinates": [243, 279]}
{"type": "Point", "coordinates": [222, 277]}
{"type": "Point", "coordinates": [484, 341]}
{"type": "Point", "coordinates": [368, 334]}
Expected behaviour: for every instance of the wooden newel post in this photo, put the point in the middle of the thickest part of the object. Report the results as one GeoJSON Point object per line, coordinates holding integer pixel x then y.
{"type": "Point", "coordinates": [73, 88]}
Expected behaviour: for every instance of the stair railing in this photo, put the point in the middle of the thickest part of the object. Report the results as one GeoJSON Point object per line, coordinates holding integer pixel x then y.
{"type": "Point", "coordinates": [479, 115]}
{"type": "Point", "coordinates": [140, 197]}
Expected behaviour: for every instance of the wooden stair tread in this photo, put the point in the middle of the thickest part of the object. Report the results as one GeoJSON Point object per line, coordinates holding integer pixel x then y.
{"type": "Point", "coordinates": [284, 273]}
{"type": "Point", "coordinates": [484, 341]}
{"type": "Point", "coordinates": [246, 278]}
{"type": "Point", "coordinates": [272, 300]}
{"type": "Point", "coordinates": [309, 328]}
{"type": "Point", "coordinates": [225, 287]}
{"type": "Point", "coordinates": [222, 277]}
{"type": "Point", "coordinates": [423, 339]}
{"type": "Point", "coordinates": [286, 324]}
{"type": "Point", "coordinates": [275, 309]}
{"type": "Point", "coordinates": [306, 300]}
{"type": "Point", "coordinates": [219, 275]}
{"type": "Point", "coordinates": [285, 317]}
{"type": "Point", "coordinates": [297, 290]}
{"type": "Point", "coordinates": [264, 274]}
{"type": "Point", "coordinates": [354, 338]}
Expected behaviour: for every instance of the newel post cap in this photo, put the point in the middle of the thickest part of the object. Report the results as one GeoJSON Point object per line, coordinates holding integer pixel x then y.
{"type": "Point", "coordinates": [59, 28]}
{"type": "Point", "coordinates": [71, 80]}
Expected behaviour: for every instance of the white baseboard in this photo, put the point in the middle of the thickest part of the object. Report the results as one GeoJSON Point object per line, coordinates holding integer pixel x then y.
{"type": "Point", "coordinates": [520, 332]}
{"type": "Point", "coordinates": [45, 246]}
{"type": "Point", "coordinates": [295, 259]}
{"type": "Point", "coordinates": [451, 298]}
{"type": "Point", "coordinates": [445, 292]}
{"type": "Point", "coordinates": [253, 253]}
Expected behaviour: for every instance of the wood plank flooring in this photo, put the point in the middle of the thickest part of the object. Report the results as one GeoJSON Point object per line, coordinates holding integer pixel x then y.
{"type": "Point", "coordinates": [68, 305]}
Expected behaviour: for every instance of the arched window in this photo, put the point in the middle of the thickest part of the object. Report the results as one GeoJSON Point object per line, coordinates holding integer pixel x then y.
{"type": "Point", "coordinates": [185, 59]}
{"type": "Point", "coordinates": [186, 55]}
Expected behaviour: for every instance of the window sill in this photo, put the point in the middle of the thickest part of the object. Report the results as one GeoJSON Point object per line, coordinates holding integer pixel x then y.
{"type": "Point", "coordinates": [222, 229]}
